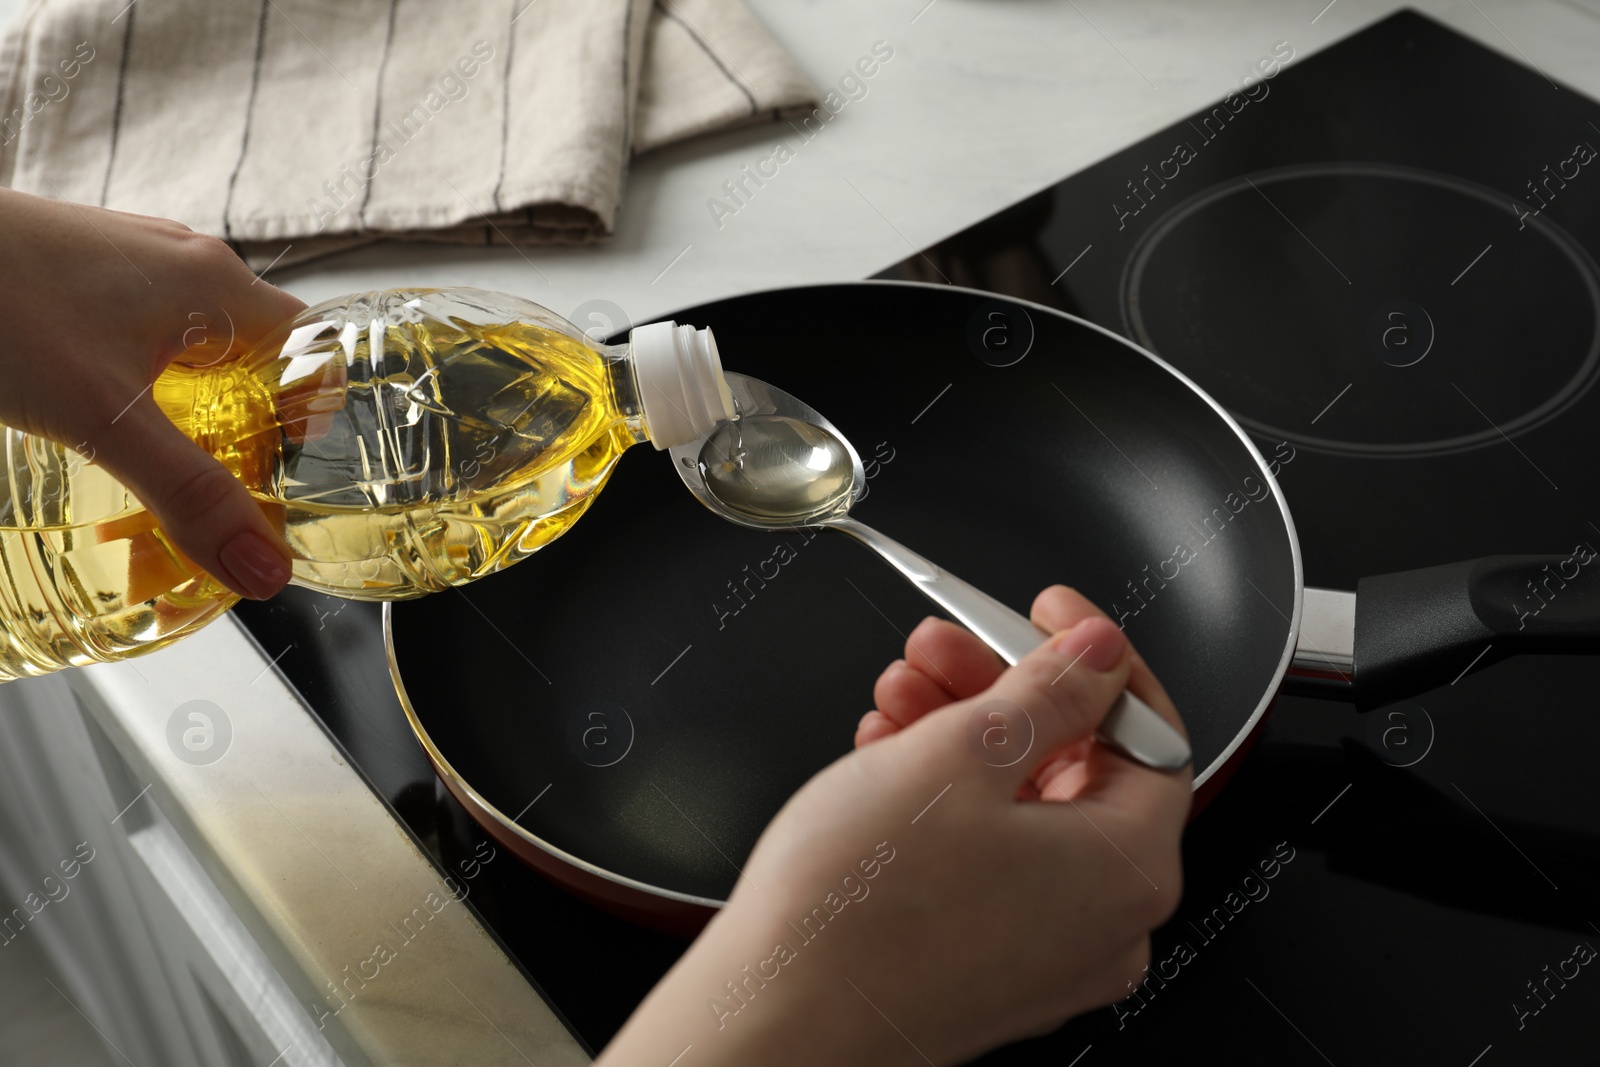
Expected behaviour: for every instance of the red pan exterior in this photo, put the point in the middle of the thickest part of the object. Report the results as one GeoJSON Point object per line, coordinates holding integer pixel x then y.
{"type": "Point", "coordinates": [676, 917]}
{"type": "Point", "coordinates": [1207, 791]}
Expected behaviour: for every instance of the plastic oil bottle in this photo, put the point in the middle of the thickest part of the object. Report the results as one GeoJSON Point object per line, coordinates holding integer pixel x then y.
{"type": "Point", "coordinates": [407, 441]}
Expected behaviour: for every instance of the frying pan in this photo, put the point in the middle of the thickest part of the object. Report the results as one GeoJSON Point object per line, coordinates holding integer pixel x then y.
{"type": "Point", "coordinates": [627, 711]}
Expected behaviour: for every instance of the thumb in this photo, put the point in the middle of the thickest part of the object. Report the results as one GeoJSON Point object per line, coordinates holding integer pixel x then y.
{"type": "Point", "coordinates": [206, 512]}
{"type": "Point", "coordinates": [1063, 690]}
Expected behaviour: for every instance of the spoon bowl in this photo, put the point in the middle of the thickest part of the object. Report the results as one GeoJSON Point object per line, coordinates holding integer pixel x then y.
{"type": "Point", "coordinates": [778, 468]}
{"type": "Point", "coordinates": [774, 483]}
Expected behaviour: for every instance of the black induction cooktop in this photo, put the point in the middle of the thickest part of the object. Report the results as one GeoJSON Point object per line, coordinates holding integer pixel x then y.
{"type": "Point", "coordinates": [1380, 258]}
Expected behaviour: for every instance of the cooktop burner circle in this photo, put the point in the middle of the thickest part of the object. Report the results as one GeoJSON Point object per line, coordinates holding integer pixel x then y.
{"type": "Point", "coordinates": [1369, 309]}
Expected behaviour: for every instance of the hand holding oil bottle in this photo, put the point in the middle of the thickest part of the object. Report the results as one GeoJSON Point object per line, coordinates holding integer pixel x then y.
{"type": "Point", "coordinates": [378, 446]}
{"type": "Point", "coordinates": [101, 302]}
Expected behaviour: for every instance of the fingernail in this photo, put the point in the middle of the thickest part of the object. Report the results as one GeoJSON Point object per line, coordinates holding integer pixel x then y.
{"type": "Point", "coordinates": [1094, 643]}
{"type": "Point", "coordinates": [255, 565]}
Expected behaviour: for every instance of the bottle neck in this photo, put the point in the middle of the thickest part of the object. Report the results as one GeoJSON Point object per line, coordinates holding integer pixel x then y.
{"type": "Point", "coordinates": [625, 391]}
{"type": "Point", "coordinates": [679, 388]}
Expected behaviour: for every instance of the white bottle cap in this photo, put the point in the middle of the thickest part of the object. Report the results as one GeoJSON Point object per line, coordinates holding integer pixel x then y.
{"type": "Point", "coordinates": [682, 394]}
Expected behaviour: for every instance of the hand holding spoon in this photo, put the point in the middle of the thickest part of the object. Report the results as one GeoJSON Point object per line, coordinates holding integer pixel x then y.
{"type": "Point", "coordinates": [780, 465]}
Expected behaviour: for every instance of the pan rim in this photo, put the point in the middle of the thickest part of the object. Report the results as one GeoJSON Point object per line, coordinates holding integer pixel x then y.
{"type": "Point", "coordinates": [443, 767]}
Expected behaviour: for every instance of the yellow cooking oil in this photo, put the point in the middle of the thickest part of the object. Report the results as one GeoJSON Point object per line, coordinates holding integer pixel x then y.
{"type": "Point", "coordinates": [396, 461]}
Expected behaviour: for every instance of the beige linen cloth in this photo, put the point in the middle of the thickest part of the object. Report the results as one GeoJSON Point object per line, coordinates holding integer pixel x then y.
{"type": "Point", "coordinates": [294, 128]}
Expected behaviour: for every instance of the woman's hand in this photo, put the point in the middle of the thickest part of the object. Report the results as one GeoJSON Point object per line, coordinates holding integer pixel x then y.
{"type": "Point", "coordinates": [979, 870]}
{"type": "Point", "coordinates": [101, 301]}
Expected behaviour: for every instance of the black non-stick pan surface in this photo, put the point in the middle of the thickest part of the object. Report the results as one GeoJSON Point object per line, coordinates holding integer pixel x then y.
{"type": "Point", "coordinates": [645, 693]}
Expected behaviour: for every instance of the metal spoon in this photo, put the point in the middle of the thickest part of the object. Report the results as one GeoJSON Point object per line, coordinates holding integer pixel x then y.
{"type": "Point", "coordinates": [779, 465]}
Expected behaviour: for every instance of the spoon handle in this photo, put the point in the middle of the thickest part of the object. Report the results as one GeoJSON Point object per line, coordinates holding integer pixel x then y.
{"type": "Point", "coordinates": [1131, 727]}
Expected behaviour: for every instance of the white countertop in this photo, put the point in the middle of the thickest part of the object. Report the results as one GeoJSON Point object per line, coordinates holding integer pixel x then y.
{"type": "Point", "coordinates": [984, 102]}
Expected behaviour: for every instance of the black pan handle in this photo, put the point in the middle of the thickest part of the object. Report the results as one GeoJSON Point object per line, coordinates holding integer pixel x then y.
{"type": "Point", "coordinates": [1420, 629]}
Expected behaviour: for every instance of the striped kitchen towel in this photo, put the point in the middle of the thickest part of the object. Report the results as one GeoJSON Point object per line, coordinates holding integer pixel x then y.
{"type": "Point", "coordinates": [294, 128]}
